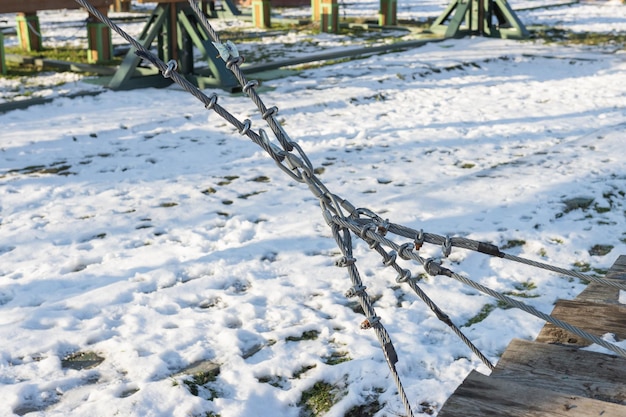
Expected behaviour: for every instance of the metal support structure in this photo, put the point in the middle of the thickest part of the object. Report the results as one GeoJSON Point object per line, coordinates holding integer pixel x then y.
{"type": "Point", "coordinates": [121, 6]}
{"type": "Point", "coordinates": [261, 13]}
{"type": "Point", "coordinates": [329, 16]}
{"type": "Point", "coordinates": [176, 31]}
{"type": "Point", "coordinates": [493, 18]}
{"type": "Point", "coordinates": [388, 13]}
{"type": "Point", "coordinates": [3, 61]}
{"type": "Point", "coordinates": [316, 10]}
{"type": "Point", "coordinates": [28, 31]}
{"type": "Point", "coordinates": [100, 46]}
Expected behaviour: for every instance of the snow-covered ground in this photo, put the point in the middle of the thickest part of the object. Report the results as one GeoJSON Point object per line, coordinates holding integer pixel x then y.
{"type": "Point", "coordinates": [138, 228]}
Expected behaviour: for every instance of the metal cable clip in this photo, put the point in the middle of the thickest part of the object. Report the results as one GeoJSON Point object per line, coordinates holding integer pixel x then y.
{"type": "Point", "coordinates": [446, 248]}
{"type": "Point", "coordinates": [404, 250]}
{"type": "Point", "coordinates": [345, 261]}
{"type": "Point", "coordinates": [419, 239]}
{"type": "Point", "coordinates": [354, 291]}
{"type": "Point", "coordinates": [370, 322]}
{"type": "Point", "coordinates": [172, 65]}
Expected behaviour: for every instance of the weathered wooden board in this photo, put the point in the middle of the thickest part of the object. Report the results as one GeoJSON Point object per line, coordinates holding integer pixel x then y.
{"type": "Point", "coordinates": [599, 293]}
{"type": "Point", "coordinates": [481, 396]}
{"type": "Point", "coordinates": [565, 369]}
{"type": "Point", "coordinates": [597, 319]}
{"type": "Point", "coordinates": [618, 270]}
{"type": "Point", "coordinates": [31, 6]}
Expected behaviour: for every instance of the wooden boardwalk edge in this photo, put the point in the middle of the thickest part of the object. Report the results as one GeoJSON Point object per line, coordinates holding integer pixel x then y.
{"type": "Point", "coordinates": [552, 376]}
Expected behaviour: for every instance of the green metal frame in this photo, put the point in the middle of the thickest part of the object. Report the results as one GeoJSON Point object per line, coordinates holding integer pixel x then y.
{"type": "Point", "coordinates": [3, 61]}
{"type": "Point", "coordinates": [188, 34]}
{"type": "Point", "coordinates": [478, 17]}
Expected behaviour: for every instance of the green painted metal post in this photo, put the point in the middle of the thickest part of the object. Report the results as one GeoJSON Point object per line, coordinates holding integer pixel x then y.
{"type": "Point", "coordinates": [99, 41]}
{"type": "Point", "coordinates": [330, 16]}
{"type": "Point", "coordinates": [261, 13]}
{"type": "Point", "coordinates": [388, 13]}
{"type": "Point", "coordinates": [28, 31]}
{"type": "Point", "coordinates": [316, 10]}
{"type": "Point", "coordinates": [3, 61]}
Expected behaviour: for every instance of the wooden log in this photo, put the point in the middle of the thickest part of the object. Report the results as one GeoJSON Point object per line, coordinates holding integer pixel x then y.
{"type": "Point", "coordinates": [32, 6]}
{"type": "Point", "coordinates": [480, 396]}
{"type": "Point", "coordinates": [564, 369]}
{"type": "Point", "coordinates": [597, 319]}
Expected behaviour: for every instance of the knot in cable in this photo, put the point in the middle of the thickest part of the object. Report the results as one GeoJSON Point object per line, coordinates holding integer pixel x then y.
{"type": "Point", "coordinates": [356, 290]}
{"type": "Point", "coordinates": [172, 65]}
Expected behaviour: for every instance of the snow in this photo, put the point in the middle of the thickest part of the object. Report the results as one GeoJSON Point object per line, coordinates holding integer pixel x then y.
{"type": "Point", "coordinates": [137, 226]}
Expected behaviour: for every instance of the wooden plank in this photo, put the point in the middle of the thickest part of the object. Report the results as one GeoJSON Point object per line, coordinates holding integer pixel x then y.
{"type": "Point", "coordinates": [568, 370]}
{"type": "Point", "coordinates": [597, 319]}
{"type": "Point", "coordinates": [480, 396]}
{"type": "Point", "coordinates": [618, 270]}
{"type": "Point", "coordinates": [31, 6]}
{"type": "Point", "coordinates": [599, 293]}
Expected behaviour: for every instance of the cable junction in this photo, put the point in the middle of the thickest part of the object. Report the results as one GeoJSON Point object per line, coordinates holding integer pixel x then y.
{"type": "Point", "coordinates": [362, 223]}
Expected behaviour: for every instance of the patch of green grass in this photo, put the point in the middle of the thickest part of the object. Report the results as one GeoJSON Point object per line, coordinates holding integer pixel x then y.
{"type": "Point", "coordinates": [513, 244]}
{"type": "Point", "coordinates": [600, 250]}
{"type": "Point", "coordinates": [297, 374]}
{"type": "Point", "coordinates": [308, 335]}
{"type": "Point", "coordinates": [82, 360]}
{"type": "Point", "coordinates": [319, 399]}
{"type": "Point", "coordinates": [563, 36]}
{"type": "Point", "coordinates": [482, 315]}
{"type": "Point", "coordinates": [336, 358]}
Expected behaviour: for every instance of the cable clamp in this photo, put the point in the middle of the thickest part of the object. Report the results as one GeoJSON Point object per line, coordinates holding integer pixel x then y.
{"type": "Point", "coordinates": [404, 276]}
{"type": "Point", "coordinates": [392, 259]}
{"type": "Point", "coordinates": [212, 102]}
{"type": "Point", "coordinates": [383, 227]}
{"type": "Point", "coordinates": [446, 248]}
{"type": "Point", "coordinates": [405, 250]}
{"type": "Point", "coordinates": [250, 84]}
{"type": "Point", "coordinates": [246, 127]}
{"type": "Point", "coordinates": [356, 290]}
{"type": "Point", "coordinates": [226, 50]}
{"type": "Point", "coordinates": [172, 65]}
{"type": "Point", "coordinates": [270, 112]}
{"type": "Point", "coordinates": [370, 322]}
{"type": "Point", "coordinates": [433, 267]}
{"type": "Point", "coordinates": [345, 261]}
{"type": "Point", "coordinates": [419, 239]}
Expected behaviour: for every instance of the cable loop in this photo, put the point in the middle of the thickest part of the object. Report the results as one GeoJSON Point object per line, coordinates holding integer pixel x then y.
{"type": "Point", "coordinates": [404, 276]}
{"type": "Point", "coordinates": [270, 112]}
{"type": "Point", "coordinates": [246, 127]}
{"type": "Point", "coordinates": [250, 84]}
{"type": "Point", "coordinates": [391, 260]}
{"type": "Point", "coordinates": [404, 249]}
{"type": "Point", "coordinates": [172, 65]}
{"type": "Point", "coordinates": [212, 102]}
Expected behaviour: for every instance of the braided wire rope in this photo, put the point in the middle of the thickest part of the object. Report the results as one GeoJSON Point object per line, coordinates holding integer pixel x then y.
{"type": "Point", "coordinates": [493, 250]}
{"type": "Point", "coordinates": [299, 168]}
{"type": "Point", "coordinates": [434, 268]}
